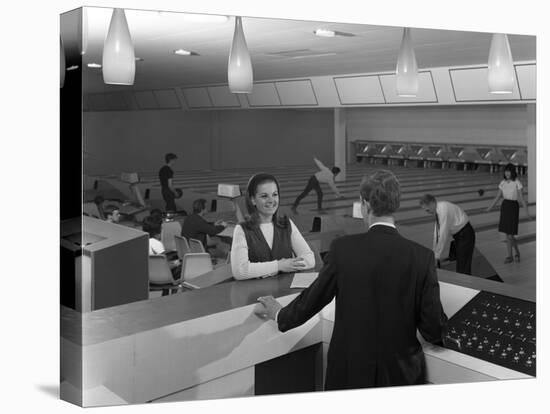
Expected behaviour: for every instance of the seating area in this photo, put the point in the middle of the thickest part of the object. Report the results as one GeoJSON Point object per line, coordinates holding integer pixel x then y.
{"type": "Point", "coordinates": [460, 157]}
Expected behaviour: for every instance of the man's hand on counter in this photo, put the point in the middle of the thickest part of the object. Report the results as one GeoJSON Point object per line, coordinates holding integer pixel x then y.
{"type": "Point", "coordinates": [268, 308]}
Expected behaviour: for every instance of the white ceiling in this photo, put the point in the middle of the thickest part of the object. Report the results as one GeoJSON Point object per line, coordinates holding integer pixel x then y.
{"type": "Point", "coordinates": [373, 48]}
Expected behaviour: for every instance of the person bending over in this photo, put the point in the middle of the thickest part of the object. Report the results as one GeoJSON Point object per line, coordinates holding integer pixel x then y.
{"type": "Point", "coordinates": [451, 220]}
{"type": "Point", "coordinates": [266, 244]}
{"type": "Point", "coordinates": [324, 175]}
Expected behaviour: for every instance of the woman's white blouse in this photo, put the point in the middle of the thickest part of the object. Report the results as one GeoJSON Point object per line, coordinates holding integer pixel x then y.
{"type": "Point", "coordinates": [510, 189]}
{"type": "Point", "coordinates": [242, 268]}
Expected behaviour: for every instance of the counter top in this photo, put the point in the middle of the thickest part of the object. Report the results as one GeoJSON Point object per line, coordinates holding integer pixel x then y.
{"type": "Point", "coordinates": [120, 321]}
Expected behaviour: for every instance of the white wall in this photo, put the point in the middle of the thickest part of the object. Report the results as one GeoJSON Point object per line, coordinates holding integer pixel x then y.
{"type": "Point", "coordinates": [137, 140]}
{"type": "Point", "coordinates": [472, 124]}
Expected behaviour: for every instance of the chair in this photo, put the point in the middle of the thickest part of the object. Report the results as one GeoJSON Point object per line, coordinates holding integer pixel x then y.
{"type": "Point", "coordinates": [169, 230]}
{"type": "Point", "coordinates": [195, 264]}
{"type": "Point", "coordinates": [182, 246]}
{"type": "Point", "coordinates": [315, 246]}
{"type": "Point", "coordinates": [196, 246]}
{"type": "Point", "coordinates": [316, 225]}
{"type": "Point", "coordinates": [91, 209]}
{"type": "Point", "coordinates": [160, 275]}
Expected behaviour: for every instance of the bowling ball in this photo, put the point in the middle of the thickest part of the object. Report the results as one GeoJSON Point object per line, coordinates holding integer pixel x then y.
{"type": "Point", "coordinates": [179, 193]}
{"type": "Point", "coordinates": [481, 191]}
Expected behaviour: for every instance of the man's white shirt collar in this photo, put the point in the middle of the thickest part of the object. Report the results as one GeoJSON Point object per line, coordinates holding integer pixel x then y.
{"type": "Point", "coordinates": [383, 223]}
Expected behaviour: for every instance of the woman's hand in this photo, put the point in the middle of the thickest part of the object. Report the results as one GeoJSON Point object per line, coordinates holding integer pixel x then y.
{"type": "Point", "coordinates": [291, 265]}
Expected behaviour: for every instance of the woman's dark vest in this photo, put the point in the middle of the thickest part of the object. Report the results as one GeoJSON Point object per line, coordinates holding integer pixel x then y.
{"type": "Point", "coordinates": [258, 249]}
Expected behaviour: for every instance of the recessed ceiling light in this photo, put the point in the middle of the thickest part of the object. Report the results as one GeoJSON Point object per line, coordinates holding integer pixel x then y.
{"type": "Point", "coordinates": [183, 52]}
{"type": "Point", "coordinates": [94, 65]}
{"type": "Point", "coordinates": [204, 18]}
{"type": "Point", "coordinates": [73, 67]}
{"type": "Point", "coordinates": [324, 33]}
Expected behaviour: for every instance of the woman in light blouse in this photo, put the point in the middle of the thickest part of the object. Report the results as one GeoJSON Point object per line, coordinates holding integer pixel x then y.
{"type": "Point", "coordinates": [266, 244]}
{"type": "Point", "coordinates": [510, 189]}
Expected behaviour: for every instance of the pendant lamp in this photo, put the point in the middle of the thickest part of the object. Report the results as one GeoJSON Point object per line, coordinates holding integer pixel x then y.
{"type": "Point", "coordinates": [501, 66]}
{"type": "Point", "coordinates": [407, 70]}
{"type": "Point", "coordinates": [119, 62]}
{"type": "Point", "coordinates": [239, 69]}
{"type": "Point", "coordinates": [62, 63]}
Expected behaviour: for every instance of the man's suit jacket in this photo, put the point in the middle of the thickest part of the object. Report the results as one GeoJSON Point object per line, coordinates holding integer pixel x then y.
{"type": "Point", "coordinates": [386, 288]}
{"type": "Point", "coordinates": [196, 227]}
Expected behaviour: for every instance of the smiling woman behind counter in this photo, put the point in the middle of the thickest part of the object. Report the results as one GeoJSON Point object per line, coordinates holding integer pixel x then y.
{"type": "Point", "coordinates": [266, 244]}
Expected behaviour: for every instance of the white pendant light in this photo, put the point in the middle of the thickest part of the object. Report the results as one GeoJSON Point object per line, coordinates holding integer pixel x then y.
{"type": "Point", "coordinates": [501, 66]}
{"type": "Point", "coordinates": [239, 69]}
{"type": "Point", "coordinates": [119, 61]}
{"type": "Point", "coordinates": [407, 70]}
{"type": "Point", "coordinates": [62, 63]}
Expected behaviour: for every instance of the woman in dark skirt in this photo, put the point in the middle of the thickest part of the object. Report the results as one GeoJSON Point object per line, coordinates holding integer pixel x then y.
{"type": "Point", "coordinates": [510, 189]}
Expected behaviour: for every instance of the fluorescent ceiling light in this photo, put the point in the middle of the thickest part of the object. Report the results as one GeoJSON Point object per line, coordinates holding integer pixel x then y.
{"type": "Point", "coordinates": [94, 65]}
{"type": "Point", "coordinates": [182, 52]}
{"type": "Point", "coordinates": [324, 33]}
{"type": "Point", "coordinates": [204, 18]}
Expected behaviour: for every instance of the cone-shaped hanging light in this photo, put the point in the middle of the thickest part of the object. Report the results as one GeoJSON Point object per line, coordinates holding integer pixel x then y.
{"type": "Point", "coordinates": [62, 63]}
{"type": "Point", "coordinates": [239, 69]}
{"type": "Point", "coordinates": [119, 62]}
{"type": "Point", "coordinates": [407, 70]}
{"type": "Point", "coordinates": [501, 66]}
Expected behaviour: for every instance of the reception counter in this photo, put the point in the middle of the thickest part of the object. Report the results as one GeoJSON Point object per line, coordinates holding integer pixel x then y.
{"type": "Point", "coordinates": [208, 343]}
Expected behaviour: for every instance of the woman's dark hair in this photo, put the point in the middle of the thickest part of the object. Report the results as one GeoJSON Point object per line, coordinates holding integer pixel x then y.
{"type": "Point", "coordinates": [169, 157]}
{"type": "Point", "coordinates": [382, 192]}
{"type": "Point", "coordinates": [253, 218]}
{"type": "Point", "coordinates": [152, 225]}
{"type": "Point", "coordinates": [335, 170]}
{"type": "Point", "coordinates": [199, 205]}
{"type": "Point", "coordinates": [513, 172]}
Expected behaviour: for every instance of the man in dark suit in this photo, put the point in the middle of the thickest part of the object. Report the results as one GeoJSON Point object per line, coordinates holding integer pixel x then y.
{"type": "Point", "coordinates": [385, 287]}
{"type": "Point", "coordinates": [195, 226]}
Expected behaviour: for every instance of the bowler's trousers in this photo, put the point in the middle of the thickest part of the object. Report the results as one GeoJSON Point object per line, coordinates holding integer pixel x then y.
{"type": "Point", "coordinates": [465, 241]}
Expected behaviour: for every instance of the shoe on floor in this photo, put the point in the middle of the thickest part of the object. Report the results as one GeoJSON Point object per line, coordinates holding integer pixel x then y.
{"type": "Point", "coordinates": [509, 259]}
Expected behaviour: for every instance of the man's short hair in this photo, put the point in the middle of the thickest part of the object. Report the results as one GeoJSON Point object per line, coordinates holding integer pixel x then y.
{"type": "Point", "coordinates": [382, 191]}
{"type": "Point", "coordinates": [151, 225]}
{"type": "Point", "coordinates": [110, 209]}
{"type": "Point", "coordinates": [335, 170]}
{"type": "Point", "coordinates": [199, 205]}
{"type": "Point", "coordinates": [426, 199]}
{"type": "Point", "coordinates": [169, 157]}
